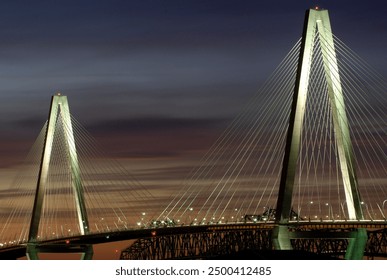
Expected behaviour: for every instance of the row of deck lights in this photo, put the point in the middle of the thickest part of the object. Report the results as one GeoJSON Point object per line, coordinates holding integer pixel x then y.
{"type": "Point", "coordinates": [221, 220]}
{"type": "Point", "coordinates": [212, 220]}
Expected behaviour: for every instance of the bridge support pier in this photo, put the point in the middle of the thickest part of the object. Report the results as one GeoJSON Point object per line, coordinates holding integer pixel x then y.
{"type": "Point", "coordinates": [357, 245]}
{"type": "Point", "coordinates": [85, 251]}
{"type": "Point", "coordinates": [357, 240]}
{"type": "Point", "coordinates": [88, 254]}
{"type": "Point", "coordinates": [32, 252]}
{"type": "Point", "coordinates": [281, 238]}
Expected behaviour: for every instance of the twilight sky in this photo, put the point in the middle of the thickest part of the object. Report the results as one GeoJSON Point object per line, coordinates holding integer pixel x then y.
{"type": "Point", "coordinates": [154, 81]}
{"type": "Point", "coordinates": [154, 78]}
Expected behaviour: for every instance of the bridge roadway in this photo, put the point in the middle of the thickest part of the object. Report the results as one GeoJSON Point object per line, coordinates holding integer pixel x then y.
{"type": "Point", "coordinates": [76, 243]}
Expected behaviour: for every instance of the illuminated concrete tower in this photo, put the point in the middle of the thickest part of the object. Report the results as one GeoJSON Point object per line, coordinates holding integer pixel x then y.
{"type": "Point", "coordinates": [59, 109]}
{"type": "Point", "coordinates": [316, 24]}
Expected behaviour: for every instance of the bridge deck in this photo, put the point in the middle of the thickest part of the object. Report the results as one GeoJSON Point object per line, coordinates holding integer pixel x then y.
{"type": "Point", "coordinates": [105, 237]}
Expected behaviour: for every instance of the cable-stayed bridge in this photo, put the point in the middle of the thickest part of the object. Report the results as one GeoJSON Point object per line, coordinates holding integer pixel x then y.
{"type": "Point", "coordinates": [303, 167]}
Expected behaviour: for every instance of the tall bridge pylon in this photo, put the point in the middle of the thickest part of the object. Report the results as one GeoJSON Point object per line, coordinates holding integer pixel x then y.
{"type": "Point", "coordinates": [317, 24]}
{"type": "Point", "coordinates": [59, 111]}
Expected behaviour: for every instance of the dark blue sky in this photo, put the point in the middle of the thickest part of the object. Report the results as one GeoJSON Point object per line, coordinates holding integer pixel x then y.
{"type": "Point", "coordinates": [136, 70]}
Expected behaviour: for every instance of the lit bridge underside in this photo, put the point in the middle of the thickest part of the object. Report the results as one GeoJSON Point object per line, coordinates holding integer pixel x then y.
{"type": "Point", "coordinates": [326, 239]}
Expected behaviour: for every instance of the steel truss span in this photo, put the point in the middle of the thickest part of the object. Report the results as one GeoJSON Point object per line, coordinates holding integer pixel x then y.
{"type": "Point", "coordinates": [254, 243]}
{"type": "Point", "coordinates": [200, 245]}
{"type": "Point", "coordinates": [376, 246]}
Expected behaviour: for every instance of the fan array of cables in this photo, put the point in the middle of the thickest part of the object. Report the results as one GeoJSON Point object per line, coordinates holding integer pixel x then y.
{"type": "Point", "coordinates": [238, 179]}
{"type": "Point", "coordinates": [113, 199]}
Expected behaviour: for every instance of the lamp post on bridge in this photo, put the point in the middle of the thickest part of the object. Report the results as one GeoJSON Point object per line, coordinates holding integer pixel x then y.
{"type": "Point", "coordinates": [384, 201]}
{"type": "Point", "coordinates": [382, 209]}
{"type": "Point", "coordinates": [331, 216]}
{"type": "Point", "coordinates": [368, 211]}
